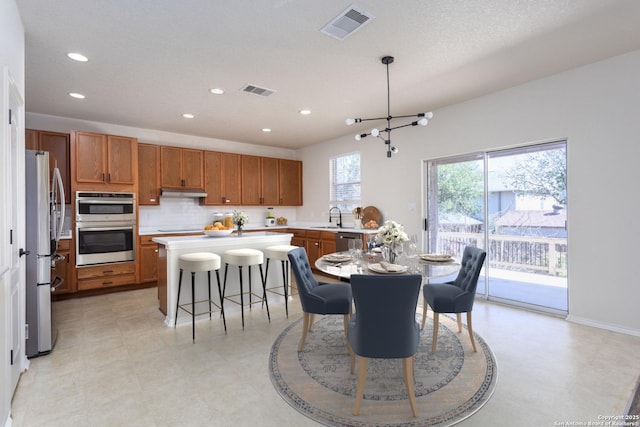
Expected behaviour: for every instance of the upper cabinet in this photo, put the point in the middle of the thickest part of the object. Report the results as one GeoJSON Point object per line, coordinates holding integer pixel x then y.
{"type": "Point", "coordinates": [57, 144]}
{"type": "Point", "coordinates": [148, 174]}
{"type": "Point", "coordinates": [290, 182]}
{"type": "Point", "coordinates": [104, 161]}
{"type": "Point", "coordinates": [222, 181]}
{"type": "Point", "coordinates": [260, 181]}
{"type": "Point", "coordinates": [270, 181]}
{"type": "Point", "coordinates": [181, 168]}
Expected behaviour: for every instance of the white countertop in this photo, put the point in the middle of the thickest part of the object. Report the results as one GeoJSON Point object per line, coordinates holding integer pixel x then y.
{"type": "Point", "coordinates": [247, 239]}
{"type": "Point", "coordinates": [166, 229]}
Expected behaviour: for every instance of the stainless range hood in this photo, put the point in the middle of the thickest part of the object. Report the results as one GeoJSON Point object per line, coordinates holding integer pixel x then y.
{"type": "Point", "coordinates": [175, 192]}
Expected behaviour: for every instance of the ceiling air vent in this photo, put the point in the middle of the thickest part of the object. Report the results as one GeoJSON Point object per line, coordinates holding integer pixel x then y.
{"type": "Point", "coordinates": [348, 22]}
{"type": "Point", "coordinates": [257, 90]}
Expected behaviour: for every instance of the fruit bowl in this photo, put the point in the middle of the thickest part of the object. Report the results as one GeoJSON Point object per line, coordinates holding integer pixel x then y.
{"type": "Point", "coordinates": [218, 233]}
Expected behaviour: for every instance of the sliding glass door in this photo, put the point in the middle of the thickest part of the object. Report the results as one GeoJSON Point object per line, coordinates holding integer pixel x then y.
{"type": "Point", "coordinates": [513, 204]}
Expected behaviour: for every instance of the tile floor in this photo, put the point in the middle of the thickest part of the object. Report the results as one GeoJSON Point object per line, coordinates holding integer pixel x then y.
{"type": "Point", "coordinates": [117, 364]}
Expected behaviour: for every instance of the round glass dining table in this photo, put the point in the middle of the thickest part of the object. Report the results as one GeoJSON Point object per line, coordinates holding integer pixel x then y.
{"type": "Point", "coordinates": [344, 264]}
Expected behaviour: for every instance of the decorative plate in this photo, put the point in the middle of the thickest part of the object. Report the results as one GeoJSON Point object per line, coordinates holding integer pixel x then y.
{"type": "Point", "coordinates": [397, 269]}
{"type": "Point", "coordinates": [436, 257]}
{"type": "Point", "coordinates": [218, 233]}
{"type": "Point", "coordinates": [337, 258]}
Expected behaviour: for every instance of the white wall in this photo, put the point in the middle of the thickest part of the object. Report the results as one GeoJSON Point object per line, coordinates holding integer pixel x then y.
{"type": "Point", "coordinates": [11, 55]}
{"type": "Point", "coordinates": [595, 108]}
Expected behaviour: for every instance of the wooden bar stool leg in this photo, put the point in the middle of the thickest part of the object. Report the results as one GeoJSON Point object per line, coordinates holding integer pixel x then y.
{"type": "Point", "coordinates": [209, 281]}
{"type": "Point", "coordinates": [175, 321]}
{"type": "Point", "coordinates": [264, 291]}
{"type": "Point", "coordinates": [242, 292]}
{"type": "Point", "coordinates": [286, 286]}
{"type": "Point", "coordinates": [250, 291]}
{"type": "Point", "coordinates": [193, 306]}
{"type": "Point", "coordinates": [220, 295]}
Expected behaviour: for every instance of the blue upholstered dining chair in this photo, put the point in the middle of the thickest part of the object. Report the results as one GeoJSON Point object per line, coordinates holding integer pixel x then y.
{"type": "Point", "coordinates": [384, 326]}
{"type": "Point", "coordinates": [457, 296]}
{"type": "Point", "coordinates": [318, 297]}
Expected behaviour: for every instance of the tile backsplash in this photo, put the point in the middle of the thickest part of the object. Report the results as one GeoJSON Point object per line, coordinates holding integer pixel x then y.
{"type": "Point", "coordinates": [189, 212]}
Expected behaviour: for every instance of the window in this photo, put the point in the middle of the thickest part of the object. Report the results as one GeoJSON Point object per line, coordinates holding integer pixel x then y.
{"type": "Point", "coordinates": [345, 181]}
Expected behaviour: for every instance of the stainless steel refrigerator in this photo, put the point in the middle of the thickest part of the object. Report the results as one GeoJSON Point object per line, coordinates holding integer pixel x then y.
{"type": "Point", "coordinates": [44, 223]}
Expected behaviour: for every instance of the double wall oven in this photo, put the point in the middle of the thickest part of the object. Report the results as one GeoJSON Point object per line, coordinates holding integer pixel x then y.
{"type": "Point", "coordinates": [105, 227]}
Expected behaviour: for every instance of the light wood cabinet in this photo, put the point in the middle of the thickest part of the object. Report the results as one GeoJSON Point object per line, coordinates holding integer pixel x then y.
{"type": "Point", "coordinates": [64, 269]}
{"type": "Point", "coordinates": [290, 182]}
{"type": "Point", "coordinates": [181, 168]}
{"type": "Point", "coordinates": [57, 145]}
{"type": "Point", "coordinates": [106, 275]}
{"type": "Point", "coordinates": [148, 259]}
{"type": "Point", "coordinates": [104, 161]}
{"type": "Point", "coordinates": [222, 181]}
{"type": "Point", "coordinates": [148, 174]}
{"type": "Point", "coordinates": [260, 181]}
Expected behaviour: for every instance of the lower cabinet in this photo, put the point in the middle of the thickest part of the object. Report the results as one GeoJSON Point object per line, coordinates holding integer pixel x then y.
{"type": "Point", "coordinates": [106, 275]}
{"type": "Point", "coordinates": [64, 270]}
{"type": "Point", "coordinates": [148, 257]}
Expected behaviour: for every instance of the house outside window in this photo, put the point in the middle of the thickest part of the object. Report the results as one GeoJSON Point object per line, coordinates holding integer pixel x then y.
{"type": "Point", "coordinates": [345, 181]}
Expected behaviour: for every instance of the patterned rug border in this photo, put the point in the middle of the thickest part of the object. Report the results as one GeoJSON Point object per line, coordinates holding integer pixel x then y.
{"type": "Point", "coordinates": [449, 418]}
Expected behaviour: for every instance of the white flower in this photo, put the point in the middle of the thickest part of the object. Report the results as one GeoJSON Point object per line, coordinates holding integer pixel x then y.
{"type": "Point", "coordinates": [239, 218]}
{"type": "Point", "coordinates": [391, 232]}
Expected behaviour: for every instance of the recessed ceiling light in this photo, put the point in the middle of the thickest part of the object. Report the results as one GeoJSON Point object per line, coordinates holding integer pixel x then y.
{"type": "Point", "coordinates": [216, 91]}
{"type": "Point", "coordinates": [305, 112]}
{"type": "Point", "coordinates": [77, 95]}
{"type": "Point", "coordinates": [266, 130]}
{"type": "Point", "coordinates": [188, 116]}
{"type": "Point", "coordinates": [77, 57]}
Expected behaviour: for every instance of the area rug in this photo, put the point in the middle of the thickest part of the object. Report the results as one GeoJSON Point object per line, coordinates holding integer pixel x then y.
{"type": "Point", "coordinates": [451, 384]}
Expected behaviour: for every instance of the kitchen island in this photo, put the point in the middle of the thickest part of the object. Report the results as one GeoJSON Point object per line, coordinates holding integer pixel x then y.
{"type": "Point", "coordinates": [172, 247]}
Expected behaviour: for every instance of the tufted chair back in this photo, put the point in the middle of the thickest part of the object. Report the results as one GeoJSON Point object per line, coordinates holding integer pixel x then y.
{"type": "Point", "coordinates": [471, 264]}
{"type": "Point", "coordinates": [305, 279]}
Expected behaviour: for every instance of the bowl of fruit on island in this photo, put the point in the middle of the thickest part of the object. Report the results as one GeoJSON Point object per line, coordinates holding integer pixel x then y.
{"type": "Point", "coordinates": [217, 229]}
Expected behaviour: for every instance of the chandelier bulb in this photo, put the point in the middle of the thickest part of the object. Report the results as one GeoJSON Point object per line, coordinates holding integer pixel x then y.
{"type": "Point", "coordinates": [358, 137]}
{"type": "Point", "coordinates": [375, 132]}
{"type": "Point", "coordinates": [394, 150]}
{"type": "Point", "coordinates": [350, 121]}
{"type": "Point", "coordinates": [423, 121]}
{"type": "Point", "coordinates": [429, 115]}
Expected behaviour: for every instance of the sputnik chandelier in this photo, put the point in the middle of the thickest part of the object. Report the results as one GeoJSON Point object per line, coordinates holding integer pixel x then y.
{"type": "Point", "coordinates": [423, 118]}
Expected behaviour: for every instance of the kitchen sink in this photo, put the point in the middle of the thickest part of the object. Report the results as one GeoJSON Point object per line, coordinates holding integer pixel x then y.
{"type": "Point", "coordinates": [333, 227]}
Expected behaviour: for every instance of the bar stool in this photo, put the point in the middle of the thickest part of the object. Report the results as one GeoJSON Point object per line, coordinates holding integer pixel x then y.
{"type": "Point", "coordinates": [279, 252]}
{"type": "Point", "coordinates": [195, 262]}
{"type": "Point", "coordinates": [241, 258]}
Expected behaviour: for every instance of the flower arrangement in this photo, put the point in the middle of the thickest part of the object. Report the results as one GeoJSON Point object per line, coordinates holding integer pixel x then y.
{"type": "Point", "coordinates": [239, 218]}
{"type": "Point", "coordinates": [391, 235]}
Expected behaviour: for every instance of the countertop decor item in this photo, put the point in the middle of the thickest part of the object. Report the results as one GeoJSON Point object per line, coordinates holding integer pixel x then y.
{"type": "Point", "coordinates": [391, 235]}
{"type": "Point", "coordinates": [422, 118]}
{"type": "Point", "coordinates": [371, 213]}
{"type": "Point", "coordinates": [240, 219]}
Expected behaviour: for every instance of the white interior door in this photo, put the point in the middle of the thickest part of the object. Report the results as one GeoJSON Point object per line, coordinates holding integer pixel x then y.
{"type": "Point", "coordinates": [15, 180]}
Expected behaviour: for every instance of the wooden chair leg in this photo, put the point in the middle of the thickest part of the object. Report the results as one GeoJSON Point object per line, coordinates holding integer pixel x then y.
{"type": "Point", "coordinates": [436, 321]}
{"type": "Point", "coordinates": [362, 379]}
{"type": "Point", "coordinates": [305, 329]}
{"type": "Point", "coordinates": [459, 319]}
{"type": "Point", "coordinates": [346, 337]}
{"type": "Point", "coordinates": [425, 306]}
{"type": "Point", "coordinates": [407, 370]}
{"type": "Point", "coordinates": [353, 361]}
{"type": "Point", "coordinates": [470, 328]}
{"type": "Point", "coordinates": [312, 318]}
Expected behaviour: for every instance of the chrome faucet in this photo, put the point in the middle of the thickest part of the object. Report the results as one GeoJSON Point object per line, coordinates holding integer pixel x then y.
{"type": "Point", "coordinates": [339, 217]}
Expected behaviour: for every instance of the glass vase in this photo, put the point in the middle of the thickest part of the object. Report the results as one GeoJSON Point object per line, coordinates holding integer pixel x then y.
{"type": "Point", "coordinates": [239, 230]}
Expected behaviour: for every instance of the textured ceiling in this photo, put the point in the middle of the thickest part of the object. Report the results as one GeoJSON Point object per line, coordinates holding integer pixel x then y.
{"type": "Point", "coordinates": [152, 60]}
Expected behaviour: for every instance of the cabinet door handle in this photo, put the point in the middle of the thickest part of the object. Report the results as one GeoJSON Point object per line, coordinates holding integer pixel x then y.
{"type": "Point", "coordinates": [107, 283]}
{"type": "Point", "coordinates": [109, 177]}
{"type": "Point", "coordinates": [103, 178]}
{"type": "Point", "coordinates": [182, 182]}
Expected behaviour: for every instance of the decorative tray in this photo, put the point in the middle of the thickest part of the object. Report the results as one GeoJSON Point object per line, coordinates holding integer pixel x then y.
{"type": "Point", "coordinates": [218, 233]}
